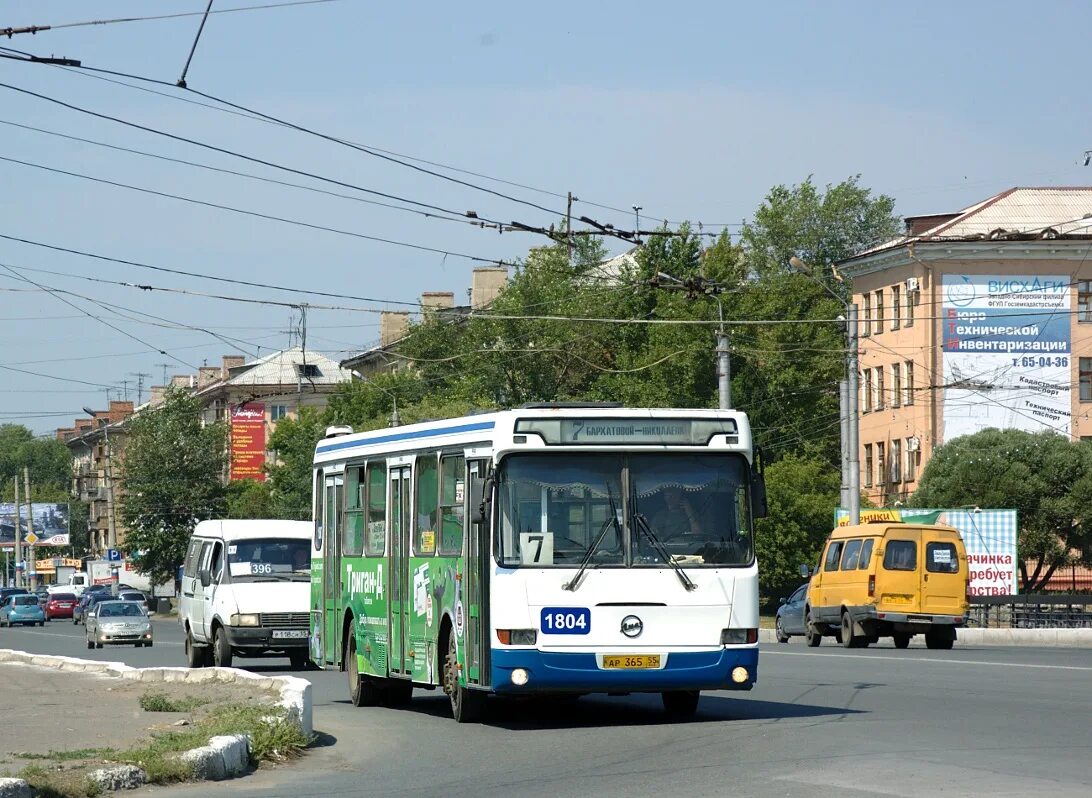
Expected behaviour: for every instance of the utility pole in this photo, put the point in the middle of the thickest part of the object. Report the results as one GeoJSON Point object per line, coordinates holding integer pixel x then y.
{"type": "Point", "coordinates": [18, 535]}
{"type": "Point", "coordinates": [163, 366]}
{"type": "Point", "coordinates": [843, 423]}
{"type": "Point", "coordinates": [569, 224]}
{"type": "Point", "coordinates": [140, 375]}
{"type": "Point", "coordinates": [125, 388]}
{"type": "Point", "coordinates": [31, 562]}
{"type": "Point", "coordinates": [853, 444]}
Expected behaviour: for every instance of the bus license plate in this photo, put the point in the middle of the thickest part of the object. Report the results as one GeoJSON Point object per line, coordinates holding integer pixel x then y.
{"type": "Point", "coordinates": [630, 661]}
{"type": "Point", "coordinates": [289, 634]}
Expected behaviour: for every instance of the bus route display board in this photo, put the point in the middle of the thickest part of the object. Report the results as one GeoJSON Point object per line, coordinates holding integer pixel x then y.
{"type": "Point", "coordinates": [248, 442]}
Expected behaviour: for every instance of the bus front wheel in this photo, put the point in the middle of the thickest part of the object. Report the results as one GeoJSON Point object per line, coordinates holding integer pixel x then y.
{"type": "Point", "coordinates": [466, 705]}
{"type": "Point", "coordinates": [362, 690]}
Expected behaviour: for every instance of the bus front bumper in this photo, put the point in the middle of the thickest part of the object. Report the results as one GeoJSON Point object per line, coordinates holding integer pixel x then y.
{"type": "Point", "coordinates": [554, 671]}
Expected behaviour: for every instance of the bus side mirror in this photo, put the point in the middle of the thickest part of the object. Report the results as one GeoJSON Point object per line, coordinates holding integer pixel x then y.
{"type": "Point", "coordinates": [485, 502]}
{"type": "Point", "coordinates": [805, 571]}
{"type": "Point", "coordinates": [759, 507]}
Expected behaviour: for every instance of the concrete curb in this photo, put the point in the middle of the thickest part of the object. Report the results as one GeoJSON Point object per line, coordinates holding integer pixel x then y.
{"type": "Point", "coordinates": [224, 757]}
{"type": "Point", "coordinates": [966, 637]}
{"type": "Point", "coordinates": [14, 788]}
{"type": "Point", "coordinates": [295, 692]}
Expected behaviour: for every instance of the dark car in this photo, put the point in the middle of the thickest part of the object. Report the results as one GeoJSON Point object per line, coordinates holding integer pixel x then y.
{"type": "Point", "coordinates": [88, 599]}
{"type": "Point", "coordinates": [130, 594]}
{"type": "Point", "coordinates": [11, 591]}
{"type": "Point", "coordinates": [790, 615]}
{"type": "Point", "coordinates": [60, 605]}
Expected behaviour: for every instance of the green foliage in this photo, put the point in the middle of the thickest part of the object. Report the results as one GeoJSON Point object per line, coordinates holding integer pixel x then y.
{"type": "Point", "coordinates": [172, 479]}
{"type": "Point", "coordinates": [47, 458]}
{"type": "Point", "coordinates": [248, 498]}
{"type": "Point", "coordinates": [289, 483]}
{"type": "Point", "coordinates": [1046, 477]}
{"type": "Point", "coordinates": [802, 494]}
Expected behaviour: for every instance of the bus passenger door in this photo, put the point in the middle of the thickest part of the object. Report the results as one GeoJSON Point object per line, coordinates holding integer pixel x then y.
{"type": "Point", "coordinates": [331, 567]}
{"type": "Point", "coordinates": [476, 639]}
{"type": "Point", "coordinates": [399, 508]}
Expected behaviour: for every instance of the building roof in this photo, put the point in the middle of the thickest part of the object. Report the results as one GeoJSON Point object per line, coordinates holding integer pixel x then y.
{"type": "Point", "coordinates": [1014, 214]}
{"type": "Point", "coordinates": [285, 368]}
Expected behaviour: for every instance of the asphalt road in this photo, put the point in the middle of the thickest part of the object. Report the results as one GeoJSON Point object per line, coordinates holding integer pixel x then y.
{"type": "Point", "coordinates": [822, 722]}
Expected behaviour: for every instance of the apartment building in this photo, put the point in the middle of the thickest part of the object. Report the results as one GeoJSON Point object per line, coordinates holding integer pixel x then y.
{"type": "Point", "coordinates": [974, 319]}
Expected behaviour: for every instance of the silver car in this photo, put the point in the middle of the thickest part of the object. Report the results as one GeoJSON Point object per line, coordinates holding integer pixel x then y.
{"type": "Point", "coordinates": [117, 623]}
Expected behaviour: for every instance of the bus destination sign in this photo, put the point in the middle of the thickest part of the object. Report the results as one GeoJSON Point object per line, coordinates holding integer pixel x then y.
{"type": "Point", "coordinates": [631, 431]}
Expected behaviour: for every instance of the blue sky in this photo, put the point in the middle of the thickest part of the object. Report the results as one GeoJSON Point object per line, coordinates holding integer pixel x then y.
{"type": "Point", "coordinates": [692, 111]}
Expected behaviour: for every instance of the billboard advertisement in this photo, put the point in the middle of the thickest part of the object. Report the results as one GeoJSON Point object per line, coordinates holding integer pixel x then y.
{"type": "Point", "coordinates": [49, 527]}
{"type": "Point", "coordinates": [1007, 346]}
{"type": "Point", "coordinates": [248, 441]}
{"type": "Point", "coordinates": [988, 535]}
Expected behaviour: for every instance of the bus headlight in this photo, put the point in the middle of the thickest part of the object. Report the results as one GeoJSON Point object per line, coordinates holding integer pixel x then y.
{"type": "Point", "coordinates": [738, 637]}
{"type": "Point", "coordinates": [517, 637]}
{"type": "Point", "coordinates": [519, 677]}
{"type": "Point", "coordinates": [740, 674]}
{"type": "Point", "coordinates": [243, 620]}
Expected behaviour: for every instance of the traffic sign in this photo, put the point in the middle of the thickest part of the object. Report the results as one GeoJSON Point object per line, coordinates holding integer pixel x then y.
{"type": "Point", "coordinates": [113, 555]}
{"type": "Point", "coordinates": [30, 538]}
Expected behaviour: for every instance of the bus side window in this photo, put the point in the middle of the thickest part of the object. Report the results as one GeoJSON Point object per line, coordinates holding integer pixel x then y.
{"type": "Point", "coordinates": [852, 552]}
{"type": "Point", "coordinates": [866, 554]}
{"type": "Point", "coordinates": [375, 542]}
{"type": "Point", "coordinates": [834, 553]}
{"type": "Point", "coordinates": [452, 496]}
{"type": "Point", "coordinates": [424, 539]}
{"type": "Point", "coordinates": [352, 536]}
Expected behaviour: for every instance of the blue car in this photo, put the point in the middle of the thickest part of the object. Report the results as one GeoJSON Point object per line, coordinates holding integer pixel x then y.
{"type": "Point", "coordinates": [22, 608]}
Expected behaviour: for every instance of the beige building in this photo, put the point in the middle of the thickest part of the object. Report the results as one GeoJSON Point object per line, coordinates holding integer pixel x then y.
{"type": "Point", "coordinates": [97, 448]}
{"type": "Point", "coordinates": [974, 319]}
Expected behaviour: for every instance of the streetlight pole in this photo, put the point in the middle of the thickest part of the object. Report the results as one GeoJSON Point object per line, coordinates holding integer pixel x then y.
{"type": "Point", "coordinates": [848, 400]}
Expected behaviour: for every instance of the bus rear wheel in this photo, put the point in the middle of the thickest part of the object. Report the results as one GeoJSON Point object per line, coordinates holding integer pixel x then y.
{"type": "Point", "coordinates": [466, 705]}
{"type": "Point", "coordinates": [681, 704]}
{"type": "Point", "coordinates": [363, 691]}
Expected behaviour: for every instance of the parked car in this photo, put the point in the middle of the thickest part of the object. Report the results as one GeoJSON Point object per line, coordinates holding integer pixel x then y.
{"type": "Point", "coordinates": [60, 605]}
{"type": "Point", "coordinates": [134, 595]}
{"type": "Point", "coordinates": [87, 600]}
{"type": "Point", "coordinates": [790, 615]}
{"type": "Point", "coordinates": [118, 623]}
{"type": "Point", "coordinates": [21, 608]}
{"type": "Point", "coordinates": [889, 580]}
{"type": "Point", "coordinates": [43, 596]}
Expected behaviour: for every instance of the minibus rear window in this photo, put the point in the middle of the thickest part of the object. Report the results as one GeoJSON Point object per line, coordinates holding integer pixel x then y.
{"type": "Point", "coordinates": [941, 558]}
{"type": "Point", "coordinates": [900, 555]}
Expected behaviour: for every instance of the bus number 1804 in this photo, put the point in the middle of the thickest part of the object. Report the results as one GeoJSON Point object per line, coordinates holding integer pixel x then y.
{"type": "Point", "coordinates": [566, 620]}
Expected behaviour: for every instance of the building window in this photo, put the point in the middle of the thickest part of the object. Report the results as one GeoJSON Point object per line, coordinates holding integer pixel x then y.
{"type": "Point", "coordinates": [881, 465]}
{"type": "Point", "coordinates": [277, 412]}
{"type": "Point", "coordinates": [1084, 300]}
{"type": "Point", "coordinates": [908, 373]}
{"type": "Point", "coordinates": [896, 461]}
{"type": "Point", "coordinates": [867, 390]}
{"type": "Point", "coordinates": [896, 307]}
{"type": "Point", "coordinates": [879, 311]}
{"type": "Point", "coordinates": [911, 300]}
{"type": "Point", "coordinates": [879, 388]}
{"type": "Point", "coordinates": [867, 330]}
{"type": "Point", "coordinates": [911, 461]}
{"type": "Point", "coordinates": [896, 385]}
{"type": "Point", "coordinates": [1085, 375]}
{"type": "Point", "coordinates": [868, 465]}
{"type": "Point", "coordinates": [307, 370]}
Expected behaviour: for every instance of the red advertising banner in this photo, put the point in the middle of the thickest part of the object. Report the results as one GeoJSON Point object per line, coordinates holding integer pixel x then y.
{"type": "Point", "coordinates": [248, 442]}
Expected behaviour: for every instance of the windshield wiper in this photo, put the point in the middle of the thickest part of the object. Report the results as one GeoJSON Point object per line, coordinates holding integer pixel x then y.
{"type": "Point", "coordinates": [642, 525]}
{"type": "Point", "coordinates": [574, 583]}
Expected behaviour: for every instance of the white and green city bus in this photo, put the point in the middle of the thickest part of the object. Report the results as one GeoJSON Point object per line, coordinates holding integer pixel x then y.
{"type": "Point", "coordinates": [553, 549]}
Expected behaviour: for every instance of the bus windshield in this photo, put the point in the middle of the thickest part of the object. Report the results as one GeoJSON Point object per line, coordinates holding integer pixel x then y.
{"type": "Point", "coordinates": [634, 510]}
{"type": "Point", "coordinates": [270, 560]}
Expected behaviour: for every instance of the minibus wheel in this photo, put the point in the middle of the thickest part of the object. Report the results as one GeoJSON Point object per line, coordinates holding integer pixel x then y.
{"type": "Point", "coordinates": [811, 634]}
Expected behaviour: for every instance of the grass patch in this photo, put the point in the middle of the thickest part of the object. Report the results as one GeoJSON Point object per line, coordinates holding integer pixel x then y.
{"type": "Point", "coordinates": [68, 756]}
{"type": "Point", "coordinates": [59, 784]}
{"type": "Point", "coordinates": [161, 702]}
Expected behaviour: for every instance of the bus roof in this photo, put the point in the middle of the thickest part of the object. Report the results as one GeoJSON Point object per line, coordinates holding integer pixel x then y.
{"type": "Point", "coordinates": [497, 429]}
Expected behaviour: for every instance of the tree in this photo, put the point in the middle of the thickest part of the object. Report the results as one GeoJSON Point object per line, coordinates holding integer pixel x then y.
{"type": "Point", "coordinates": [47, 459]}
{"type": "Point", "coordinates": [289, 483]}
{"type": "Point", "coordinates": [1046, 477]}
{"type": "Point", "coordinates": [172, 476]}
{"type": "Point", "coordinates": [802, 495]}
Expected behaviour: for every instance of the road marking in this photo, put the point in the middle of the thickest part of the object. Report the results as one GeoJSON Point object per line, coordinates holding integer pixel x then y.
{"type": "Point", "coordinates": [83, 639]}
{"type": "Point", "coordinates": [940, 661]}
